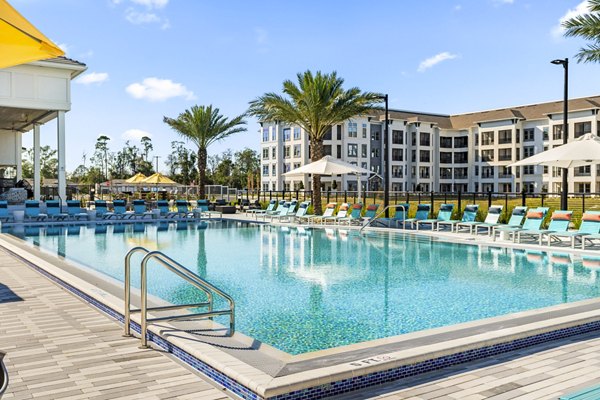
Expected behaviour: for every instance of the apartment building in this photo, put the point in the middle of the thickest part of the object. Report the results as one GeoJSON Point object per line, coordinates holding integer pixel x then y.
{"type": "Point", "coordinates": [443, 153]}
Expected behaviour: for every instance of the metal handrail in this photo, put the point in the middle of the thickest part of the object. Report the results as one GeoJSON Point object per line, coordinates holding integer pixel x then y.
{"type": "Point", "coordinates": [183, 273]}
{"type": "Point", "coordinates": [383, 211]}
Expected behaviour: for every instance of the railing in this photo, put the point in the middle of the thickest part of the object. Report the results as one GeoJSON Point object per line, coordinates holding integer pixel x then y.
{"type": "Point", "coordinates": [184, 274]}
{"type": "Point", "coordinates": [381, 213]}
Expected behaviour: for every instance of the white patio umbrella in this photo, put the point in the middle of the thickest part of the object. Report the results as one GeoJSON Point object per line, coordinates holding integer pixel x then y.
{"type": "Point", "coordinates": [585, 150]}
{"type": "Point", "coordinates": [330, 166]}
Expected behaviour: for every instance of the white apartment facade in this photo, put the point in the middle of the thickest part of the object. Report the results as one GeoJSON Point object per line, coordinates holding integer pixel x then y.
{"type": "Point", "coordinates": [442, 153]}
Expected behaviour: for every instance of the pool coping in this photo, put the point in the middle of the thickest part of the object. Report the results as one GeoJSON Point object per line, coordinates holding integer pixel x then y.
{"type": "Point", "coordinates": [353, 373]}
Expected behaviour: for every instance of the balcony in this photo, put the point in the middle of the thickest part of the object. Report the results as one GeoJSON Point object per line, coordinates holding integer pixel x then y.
{"type": "Point", "coordinates": [505, 141]}
{"type": "Point", "coordinates": [505, 157]}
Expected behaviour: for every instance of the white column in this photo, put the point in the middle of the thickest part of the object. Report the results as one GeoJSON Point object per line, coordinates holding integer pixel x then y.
{"type": "Point", "coordinates": [36, 163]}
{"type": "Point", "coordinates": [62, 177]}
{"type": "Point", "coordinates": [18, 154]}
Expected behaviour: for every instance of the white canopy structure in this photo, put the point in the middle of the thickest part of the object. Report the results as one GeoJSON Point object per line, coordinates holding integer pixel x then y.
{"type": "Point", "coordinates": [330, 166]}
{"type": "Point", "coordinates": [583, 151]}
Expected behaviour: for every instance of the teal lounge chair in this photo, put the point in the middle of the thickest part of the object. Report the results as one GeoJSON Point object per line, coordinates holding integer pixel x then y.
{"type": "Point", "coordinates": [32, 211]}
{"type": "Point", "coordinates": [370, 213]}
{"type": "Point", "coordinates": [342, 213]}
{"type": "Point", "coordinates": [54, 212]}
{"type": "Point", "coordinates": [469, 215]}
{"type": "Point", "coordinates": [444, 214]}
{"type": "Point", "coordinates": [74, 210]}
{"type": "Point", "coordinates": [533, 222]}
{"type": "Point", "coordinates": [119, 210]}
{"type": "Point", "coordinates": [491, 219]}
{"type": "Point", "coordinates": [139, 210]}
{"type": "Point", "coordinates": [515, 221]}
{"type": "Point", "coordinates": [183, 210]}
{"type": "Point", "coordinates": [165, 212]}
{"type": "Point", "coordinates": [276, 211]}
{"type": "Point", "coordinates": [400, 216]}
{"type": "Point", "coordinates": [311, 218]}
{"type": "Point", "coordinates": [283, 212]}
{"type": "Point", "coordinates": [302, 209]}
{"type": "Point", "coordinates": [270, 207]}
{"type": "Point", "coordinates": [102, 209]}
{"type": "Point", "coordinates": [559, 222]}
{"type": "Point", "coordinates": [354, 216]}
{"type": "Point", "coordinates": [592, 236]}
{"type": "Point", "coordinates": [423, 211]}
{"type": "Point", "coordinates": [292, 208]}
{"type": "Point", "coordinates": [5, 216]}
{"type": "Point", "coordinates": [202, 211]}
{"type": "Point", "coordinates": [590, 225]}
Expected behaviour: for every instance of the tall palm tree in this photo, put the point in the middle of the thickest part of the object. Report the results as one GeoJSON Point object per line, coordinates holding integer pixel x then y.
{"type": "Point", "coordinates": [203, 125]}
{"type": "Point", "coordinates": [315, 104]}
{"type": "Point", "coordinates": [586, 26]}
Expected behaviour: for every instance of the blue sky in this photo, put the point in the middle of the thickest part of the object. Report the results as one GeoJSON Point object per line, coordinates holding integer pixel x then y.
{"type": "Point", "coordinates": [153, 58]}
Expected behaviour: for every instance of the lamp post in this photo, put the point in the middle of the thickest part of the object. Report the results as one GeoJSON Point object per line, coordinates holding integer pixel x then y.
{"type": "Point", "coordinates": [386, 164]}
{"type": "Point", "coordinates": [156, 161]}
{"type": "Point", "coordinates": [565, 132]}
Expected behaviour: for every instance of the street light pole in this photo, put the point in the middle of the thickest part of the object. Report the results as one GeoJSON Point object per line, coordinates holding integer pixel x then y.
{"type": "Point", "coordinates": [156, 158]}
{"type": "Point", "coordinates": [386, 164]}
{"type": "Point", "coordinates": [565, 132]}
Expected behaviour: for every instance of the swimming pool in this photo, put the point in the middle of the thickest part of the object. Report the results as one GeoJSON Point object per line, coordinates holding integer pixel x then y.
{"type": "Point", "coordinates": [302, 290]}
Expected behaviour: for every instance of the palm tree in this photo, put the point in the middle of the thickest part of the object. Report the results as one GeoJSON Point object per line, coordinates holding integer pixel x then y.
{"type": "Point", "coordinates": [316, 104]}
{"type": "Point", "coordinates": [203, 125]}
{"type": "Point", "coordinates": [586, 26]}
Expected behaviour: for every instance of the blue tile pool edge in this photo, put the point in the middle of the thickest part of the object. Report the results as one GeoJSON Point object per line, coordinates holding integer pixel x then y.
{"type": "Point", "coordinates": [332, 388]}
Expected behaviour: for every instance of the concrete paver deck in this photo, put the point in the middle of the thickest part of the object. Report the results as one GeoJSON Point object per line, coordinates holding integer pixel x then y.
{"type": "Point", "coordinates": [60, 348]}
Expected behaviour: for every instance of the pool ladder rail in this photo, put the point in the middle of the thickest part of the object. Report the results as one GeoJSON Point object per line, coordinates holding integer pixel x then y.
{"type": "Point", "coordinates": [381, 213]}
{"type": "Point", "coordinates": [182, 272]}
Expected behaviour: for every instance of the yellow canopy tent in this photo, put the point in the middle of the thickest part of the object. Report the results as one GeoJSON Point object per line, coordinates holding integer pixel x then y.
{"type": "Point", "coordinates": [137, 178]}
{"type": "Point", "coordinates": [20, 41]}
{"type": "Point", "coordinates": [159, 179]}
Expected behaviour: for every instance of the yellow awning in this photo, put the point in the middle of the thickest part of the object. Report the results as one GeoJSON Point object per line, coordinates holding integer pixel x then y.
{"type": "Point", "coordinates": [21, 42]}
{"type": "Point", "coordinates": [137, 178]}
{"type": "Point", "coordinates": [159, 179]}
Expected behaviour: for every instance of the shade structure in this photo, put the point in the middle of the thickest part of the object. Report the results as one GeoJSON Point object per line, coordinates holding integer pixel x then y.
{"type": "Point", "coordinates": [137, 178]}
{"type": "Point", "coordinates": [330, 166]}
{"type": "Point", "coordinates": [20, 41]}
{"type": "Point", "coordinates": [583, 151]}
{"type": "Point", "coordinates": [159, 179]}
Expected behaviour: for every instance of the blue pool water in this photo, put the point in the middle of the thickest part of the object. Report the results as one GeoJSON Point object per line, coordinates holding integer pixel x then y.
{"type": "Point", "coordinates": [305, 290]}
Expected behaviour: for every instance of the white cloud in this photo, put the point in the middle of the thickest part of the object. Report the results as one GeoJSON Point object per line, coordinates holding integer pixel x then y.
{"type": "Point", "coordinates": [155, 89]}
{"type": "Point", "coordinates": [580, 9]}
{"type": "Point", "coordinates": [93, 77]}
{"type": "Point", "coordinates": [63, 46]}
{"type": "Point", "coordinates": [457, 7]}
{"type": "Point", "coordinates": [135, 134]}
{"type": "Point", "coordinates": [438, 58]}
{"type": "Point", "coordinates": [152, 3]}
{"type": "Point", "coordinates": [501, 2]}
{"type": "Point", "coordinates": [137, 18]}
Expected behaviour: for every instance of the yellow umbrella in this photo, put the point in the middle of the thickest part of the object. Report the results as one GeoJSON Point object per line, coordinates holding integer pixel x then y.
{"type": "Point", "coordinates": [159, 179]}
{"type": "Point", "coordinates": [21, 42]}
{"type": "Point", "coordinates": [137, 178]}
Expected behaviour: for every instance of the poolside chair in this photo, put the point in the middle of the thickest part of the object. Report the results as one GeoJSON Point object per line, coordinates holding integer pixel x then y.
{"type": "Point", "coordinates": [54, 212]}
{"type": "Point", "coordinates": [592, 236]}
{"type": "Point", "coordinates": [400, 216]}
{"type": "Point", "coordinates": [32, 211]}
{"type": "Point", "coordinates": [119, 210]}
{"type": "Point", "coordinates": [276, 211]}
{"type": "Point", "coordinates": [5, 216]}
{"type": "Point", "coordinates": [302, 209]}
{"type": "Point", "coordinates": [590, 226]}
{"type": "Point", "coordinates": [492, 217]}
{"type": "Point", "coordinates": [74, 210]}
{"type": "Point", "coordinates": [354, 217]}
{"type": "Point", "coordinates": [202, 210]}
{"type": "Point", "coordinates": [163, 206]}
{"type": "Point", "coordinates": [423, 211]}
{"type": "Point", "coordinates": [139, 210]}
{"type": "Point", "coordinates": [533, 221]}
{"type": "Point", "coordinates": [469, 215]}
{"type": "Point", "coordinates": [292, 207]}
{"type": "Point", "coordinates": [102, 209]}
{"type": "Point", "coordinates": [515, 221]}
{"type": "Point", "coordinates": [370, 213]}
{"type": "Point", "coordinates": [444, 214]}
{"type": "Point", "coordinates": [559, 222]}
{"type": "Point", "coordinates": [342, 213]}
{"type": "Point", "coordinates": [270, 207]}
{"type": "Point", "coordinates": [183, 210]}
{"type": "Point", "coordinates": [283, 213]}
{"type": "Point", "coordinates": [311, 218]}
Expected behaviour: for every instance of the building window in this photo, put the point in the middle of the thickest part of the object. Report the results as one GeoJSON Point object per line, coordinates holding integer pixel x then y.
{"type": "Point", "coordinates": [505, 172]}
{"type": "Point", "coordinates": [583, 188]}
{"type": "Point", "coordinates": [446, 142]}
{"type": "Point", "coordinates": [397, 171]}
{"type": "Point", "coordinates": [363, 150]}
{"type": "Point", "coordinates": [413, 139]}
{"type": "Point", "coordinates": [424, 156]}
{"type": "Point", "coordinates": [445, 157]}
{"type": "Point", "coordinates": [476, 170]}
{"type": "Point", "coordinates": [517, 136]}
{"type": "Point", "coordinates": [413, 156]}
{"type": "Point", "coordinates": [397, 154]}
{"type": "Point", "coordinates": [504, 154]}
{"type": "Point", "coordinates": [460, 173]}
{"type": "Point", "coordinates": [445, 173]}
{"type": "Point", "coordinates": [424, 172]}
{"type": "Point", "coordinates": [273, 152]}
{"type": "Point", "coordinates": [265, 170]}
{"type": "Point", "coordinates": [476, 140]}
{"type": "Point", "coordinates": [287, 132]}
{"type": "Point", "coordinates": [505, 136]}
{"type": "Point", "coordinates": [545, 133]}
{"type": "Point", "coordinates": [265, 132]}
{"type": "Point", "coordinates": [487, 172]}
{"type": "Point", "coordinates": [265, 187]}
{"type": "Point", "coordinates": [425, 139]}
{"type": "Point", "coordinates": [583, 171]}
{"type": "Point", "coordinates": [461, 157]}
{"type": "Point", "coordinates": [339, 151]}
{"type": "Point", "coordinates": [374, 135]}
{"type": "Point", "coordinates": [286, 167]}
{"type": "Point", "coordinates": [363, 165]}
{"type": "Point", "coordinates": [397, 137]}
{"type": "Point", "coordinates": [273, 133]}
{"type": "Point", "coordinates": [297, 150]}
{"type": "Point", "coordinates": [528, 151]}
{"type": "Point", "coordinates": [581, 128]}
{"type": "Point", "coordinates": [375, 153]}
{"type": "Point", "coordinates": [364, 131]}
{"type": "Point", "coordinates": [339, 132]}
{"type": "Point", "coordinates": [487, 138]}
{"type": "Point", "coordinates": [352, 129]}
{"type": "Point", "coordinates": [273, 169]}
{"type": "Point", "coordinates": [461, 142]}
{"type": "Point", "coordinates": [296, 133]}
{"type": "Point", "coordinates": [487, 155]}
{"type": "Point", "coordinates": [296, 165]}
{"type": "Point", "coordinates": [557, 131]}
{"type": "Point", "coordinates": [529, 135]}
{"type": "Point", "coordinates": [327, 150]}
{"type": "Point", "coordinates": [352, 150]}
{"type": "Point", "coordinates": [286, 151]}
{"type": "Point", "coordinates": [528, 169]}
{"type": "Point", "coordinates": [265, 154]}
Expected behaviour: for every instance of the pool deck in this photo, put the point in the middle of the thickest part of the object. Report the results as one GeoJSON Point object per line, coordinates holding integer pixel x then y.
{"type": "Point", "coordinates": [32, 301]}
{"type": "Point", "coordinates": [58, 347]}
